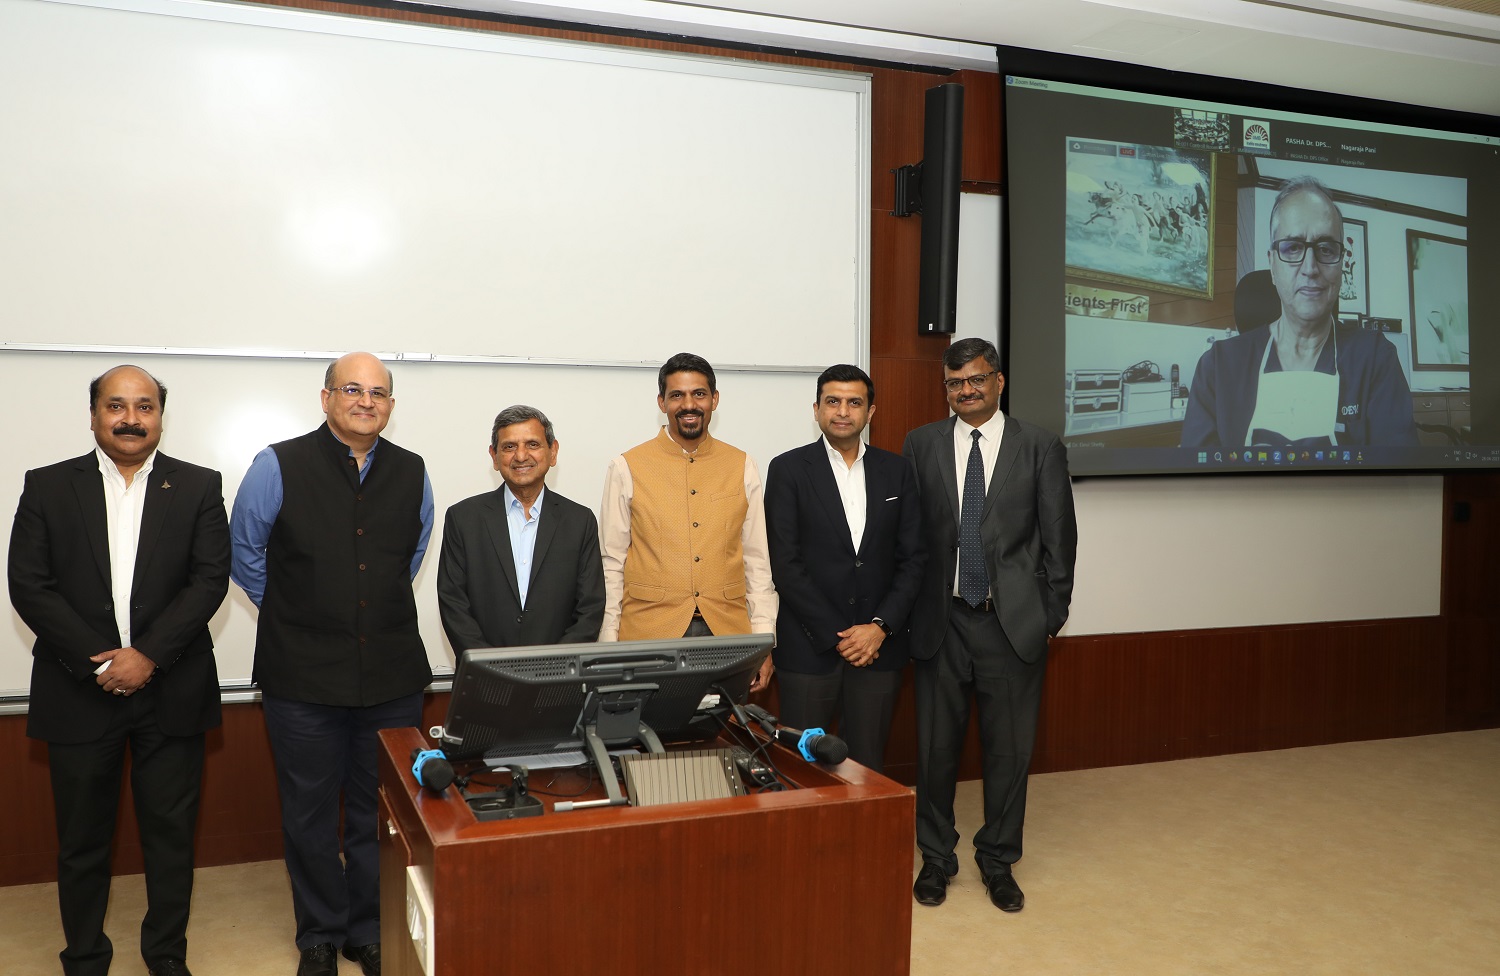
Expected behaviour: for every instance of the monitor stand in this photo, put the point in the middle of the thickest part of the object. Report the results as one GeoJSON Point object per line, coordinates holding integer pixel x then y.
{"type": "Point", "coordinates": [612, 717]}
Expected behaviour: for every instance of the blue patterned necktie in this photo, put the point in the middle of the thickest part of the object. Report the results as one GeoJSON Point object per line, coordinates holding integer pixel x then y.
{"type": "Point", "coordinates": [973, 582]}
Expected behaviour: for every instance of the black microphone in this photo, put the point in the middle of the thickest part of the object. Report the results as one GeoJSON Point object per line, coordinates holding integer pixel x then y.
{"type": "Point", "coordinates": [432, 769]}
{"type": "Point", "coordinates": [815, 745]}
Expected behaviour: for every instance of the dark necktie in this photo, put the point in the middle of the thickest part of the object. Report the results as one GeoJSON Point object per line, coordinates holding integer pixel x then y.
{"type": "Point", "coordinates": [973, 582]}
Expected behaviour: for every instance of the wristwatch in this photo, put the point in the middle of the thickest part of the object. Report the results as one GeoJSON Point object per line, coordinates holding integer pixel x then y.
{"type": "Point", "coordinates": [881, 624]}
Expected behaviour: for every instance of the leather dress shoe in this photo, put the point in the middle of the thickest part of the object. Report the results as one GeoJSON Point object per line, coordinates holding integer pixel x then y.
{"type": "Point", "coordinates": [168, 967]}
{"type": "Point", "coordinates": [931, 887]}
{"type": "Point", "coordinates": [368, 957]}
{"type": "Point", "coordinates": [1005, 894]}
{"type": "Point", "coordinates": [319, 960]}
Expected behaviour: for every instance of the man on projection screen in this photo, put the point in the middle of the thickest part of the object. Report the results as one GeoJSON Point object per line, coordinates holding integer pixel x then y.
{"type": "Point", "coordinates": [1303, 381]}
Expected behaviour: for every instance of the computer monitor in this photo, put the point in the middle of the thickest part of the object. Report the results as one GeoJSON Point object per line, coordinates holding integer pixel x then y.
{"type": "Point", "coordinates": [526, 701]}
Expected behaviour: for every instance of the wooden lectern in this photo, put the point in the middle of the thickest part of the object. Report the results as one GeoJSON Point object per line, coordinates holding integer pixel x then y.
{"type": "Point", "coordinates": [815, 880]}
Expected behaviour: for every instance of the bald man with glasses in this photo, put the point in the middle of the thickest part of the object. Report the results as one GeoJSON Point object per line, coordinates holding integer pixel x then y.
{"type": "Point", "coordinates": [327, 533]}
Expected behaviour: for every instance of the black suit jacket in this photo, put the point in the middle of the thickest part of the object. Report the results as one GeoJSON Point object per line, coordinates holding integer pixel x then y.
{"type": "Point", "coordinates": [1028, 527]}
{"type": "Point", "coordinates": [478, 594]}
{"type": "Point", "coordinates": [60, 585]}
{"type": "Point", "coordinates": [824, 585]}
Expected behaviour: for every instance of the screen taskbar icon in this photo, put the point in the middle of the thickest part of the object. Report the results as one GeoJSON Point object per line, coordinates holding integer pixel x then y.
{"type": "Point", "coordinates": [1286, 457]}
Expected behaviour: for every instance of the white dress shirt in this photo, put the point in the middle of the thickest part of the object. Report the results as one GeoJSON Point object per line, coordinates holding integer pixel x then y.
{"type": "Point", "coordinates": [850, 479]}
{"type": "Point", "coordinates": [123, 505]}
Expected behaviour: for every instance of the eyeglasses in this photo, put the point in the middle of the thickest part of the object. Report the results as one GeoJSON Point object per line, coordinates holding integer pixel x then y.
{"type": "Point", "coordinates": [976, 381]}
{"type": "Point", "coordinates": [1292, 251]}
{"type": "Point", "coordinates": [353, 392]}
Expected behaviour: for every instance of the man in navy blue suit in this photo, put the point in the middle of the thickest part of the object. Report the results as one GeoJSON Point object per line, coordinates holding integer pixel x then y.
{"type": "Point", "coordinates": [846, 553]}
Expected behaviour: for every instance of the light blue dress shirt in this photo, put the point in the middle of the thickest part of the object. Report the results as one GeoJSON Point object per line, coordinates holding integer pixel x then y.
{"type": "Point", "coordinates": [256, 506]}
{"type": "Point", "coordinates": [522, 536]}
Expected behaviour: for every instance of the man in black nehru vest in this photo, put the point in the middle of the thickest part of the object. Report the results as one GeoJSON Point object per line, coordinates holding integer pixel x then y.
{"type": "Point", "coordinates": [328, 531]}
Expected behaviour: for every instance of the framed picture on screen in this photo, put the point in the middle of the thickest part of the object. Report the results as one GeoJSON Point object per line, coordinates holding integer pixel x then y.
{"type": "Point", "coordinates": [1140, 215]}
{"type": "Point", "coordinates": [1438, 275]}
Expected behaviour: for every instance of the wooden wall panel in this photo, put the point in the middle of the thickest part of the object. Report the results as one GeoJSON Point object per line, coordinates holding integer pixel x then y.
{"type": "Point", "coordinates": [895, 242]}
{"type": "Point", "coordinates": [982, 130]}
{"type": "Point", "coordinates": [239, 815]}
{"type": "Point", "coordinates": [28, 844]}
{"type": "Point", "coordinates": [1471, 599]}
{"type": "Point", "coordinates": [1131, 698]}
{"type": "Point", "coordinates": [903, 363]}
{"type": "Point", "coordinates": [1120, 699]}
{"type": "Point", "coordinates": [909, 394]}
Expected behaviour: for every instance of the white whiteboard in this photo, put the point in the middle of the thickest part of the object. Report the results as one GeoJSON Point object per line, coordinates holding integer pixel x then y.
{"type": "Point", "coordinates": [219, 192]}
{"type": "Point", "coordinates": [1188, 553]}
{"type": "Point", "coordinates": [187, 174]}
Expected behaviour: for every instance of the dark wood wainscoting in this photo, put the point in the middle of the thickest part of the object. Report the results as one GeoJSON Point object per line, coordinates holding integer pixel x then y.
{"type": "Point", "coordinates": [1131, 698]}
{"type": "Point", "coordinates": [239, 817]}
{"type": "Point", "coordinates": [1471, 598]}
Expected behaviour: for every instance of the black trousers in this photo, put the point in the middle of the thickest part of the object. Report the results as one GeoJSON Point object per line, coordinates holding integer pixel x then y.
{"type": "Point", "coordinates": [323, 753]}
{"type": "Point", "coordinates": [860, 699]}
{"type": "Point", "coordinates": [165, 774]}
{"type": "Point", "coordinates": [976, 658]}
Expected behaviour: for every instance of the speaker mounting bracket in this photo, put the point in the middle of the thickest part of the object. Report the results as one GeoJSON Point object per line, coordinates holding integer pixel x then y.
{"type": "Point", "coordinates": [908, 190]}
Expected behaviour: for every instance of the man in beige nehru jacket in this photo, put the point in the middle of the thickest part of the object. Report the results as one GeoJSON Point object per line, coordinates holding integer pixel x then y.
{"type": "Point", "coordinates": [682, 526]}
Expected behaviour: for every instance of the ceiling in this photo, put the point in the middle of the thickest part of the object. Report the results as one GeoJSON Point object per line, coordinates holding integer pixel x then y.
{"type": "Point", "coordinates": [1442, 53]}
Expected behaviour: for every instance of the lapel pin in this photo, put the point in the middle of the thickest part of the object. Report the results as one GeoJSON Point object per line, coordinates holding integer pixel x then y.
{"type": "Point", "coordinates": [166, 484]}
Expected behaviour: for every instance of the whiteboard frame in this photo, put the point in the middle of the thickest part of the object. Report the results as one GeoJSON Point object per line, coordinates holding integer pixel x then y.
{"type": "Point", "coordinates": [212, 352]}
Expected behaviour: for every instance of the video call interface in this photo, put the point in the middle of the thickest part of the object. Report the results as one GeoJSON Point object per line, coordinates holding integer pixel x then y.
{"type": "Point", "coordinates": [1163, 319]}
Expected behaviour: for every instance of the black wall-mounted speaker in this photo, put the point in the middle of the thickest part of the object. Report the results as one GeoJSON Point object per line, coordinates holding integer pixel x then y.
{"type": "Point", "coordinates": [942, 159]}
